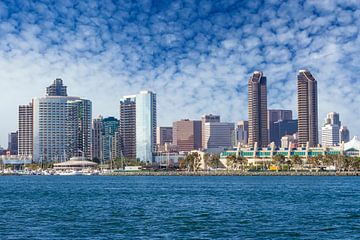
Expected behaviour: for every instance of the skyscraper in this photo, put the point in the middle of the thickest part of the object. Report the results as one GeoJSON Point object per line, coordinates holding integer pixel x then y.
{"type": "Point", "coordinates": [242, 132]}
{"type": "Point", "coordinates": [56, 89]}
{"type": "Point", "coordinates": [344, 134]}
{"type": "Point", "coordinates": [164, 135]}
{"type": "Point", "coordinates": [282, 128]}
{"type": "Point", "coordinates": [218, 135]}
{"type": "Point", "coordinates": [13, 143]}
{"type": "Point", "coordinates": [307, 108]}
{"type": "Point", "coordinates": [331, 130]}
{"type": "Point", "coordinates": [187, 135]}
{"type": "Point", "coordinates": [97, 132]}
{"type": "Point", "coordinates": [61, 128]}
{"type": "Point", "coordinates": [146, 123]}
{"type": "Point", "coordinates": [275, 115]}
{"type": "Point", "coordinates": [257, 109]}
{"type": "Point", "coordinates": [110, 128]}
{"type": "Point", "coordinates": [25, 135]}
{"type": "Point", "coordinates": [128, 126]}
{"type": "Point", "coordinates": [205, 119]}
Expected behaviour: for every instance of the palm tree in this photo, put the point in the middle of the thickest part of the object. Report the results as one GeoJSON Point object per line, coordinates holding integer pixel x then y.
{"type": "Point", "coordinates": [206, 160]}
{"type": "Point", "coordinates": [214, 160]}
{"type": "Point", "coordinates": [242, 161]}
{"type": "Point", "coordinates": [231, 161]}
{"type": "Point", "coordinates": [296, 161]}
{"type": "Point", "coordinates": [279, 160]}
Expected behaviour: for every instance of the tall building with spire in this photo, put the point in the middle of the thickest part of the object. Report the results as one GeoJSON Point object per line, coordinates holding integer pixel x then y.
{"type": "Point", "coordinates": [307, 108]}
{"type": "Point", "coordinates": [257, 110]}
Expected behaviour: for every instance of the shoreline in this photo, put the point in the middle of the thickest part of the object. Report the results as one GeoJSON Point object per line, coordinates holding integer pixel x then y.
{"type": "Point", "coordinates": [211, 173]}
{"type": "Point", "coordinates": [231, 173]}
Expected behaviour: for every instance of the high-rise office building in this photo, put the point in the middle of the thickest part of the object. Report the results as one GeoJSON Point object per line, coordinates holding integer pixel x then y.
{"type": "Point", "coordinates": [56, 89]}
{"type": "Point", "coordinates": [97, 132]}
{"type": "Point", "coordinates": [275, 115]}
{"type": "Point", "coordinates": [205, 119]}
{"type": "Point", "coordinates": [164, 135]}
{"type": "Point", "coordinates": [25, 135]}
{"type": "Point", "coordinates": [242, 132]}
{"type": "Point", "coordinates": [330, 132]}
{"type": "Point", "coordinates": [187, 135]}
{"type": "Point", "coordinates": [79, 127]}
{"type": "Point", "coordinates": [330, 135]}
{"type": "Point", "coordinates": [218, 135]}
{"type": "Point", "coordinates": [344, 134]}
{"type": "Point", "coordinates": [257, 110]}
{"type": "Point", "coordinates": [333, 118]}
{"type": "Point", "coordinates": [61, 128]}
{"type": "Point", "coordinates": [110, 127]}
{"type": "Point", "coordinates": [13, 143]}
{"type": "Point", "coordinates": [128, 126]}
{"type": "Point", "coordinates": [146, 123]}
{"type": "Point", "coordinates": [307, 108]}
{"type": "Point", "coordinates": [282, 128]}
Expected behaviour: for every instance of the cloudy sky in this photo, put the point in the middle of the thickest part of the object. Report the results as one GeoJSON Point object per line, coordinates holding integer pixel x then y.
{"type": "Point", "coordinates": [196, 55]}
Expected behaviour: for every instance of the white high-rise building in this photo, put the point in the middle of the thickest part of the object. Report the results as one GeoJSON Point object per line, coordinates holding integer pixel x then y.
{"type": "Point", "coordinates": [330, 135]}
{"type": "Point", "coordinates": [61, 128]}
{"type": "Point", "coordinates": [146, 124]}
{"type": "Point", "coordinates": [218, 134]}
{"type": "Point", "coordinates": [331, 129]}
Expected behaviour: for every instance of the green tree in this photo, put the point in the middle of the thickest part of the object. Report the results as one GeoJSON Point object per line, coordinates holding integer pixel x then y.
{"type": "Point", "coordinates": [279, 160]}
{"type": "Point", "coordinates": [214, 160]}
{"type": "Point", "coordinates": [296, 161]}
{"type": "Point", "coordinates": [231, 161]}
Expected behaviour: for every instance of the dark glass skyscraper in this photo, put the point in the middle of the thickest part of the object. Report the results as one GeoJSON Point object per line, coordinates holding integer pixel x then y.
{"type": "Point", "coordinates": [257, 110]}
{"type": "Point", "coordinates": [307, 108]}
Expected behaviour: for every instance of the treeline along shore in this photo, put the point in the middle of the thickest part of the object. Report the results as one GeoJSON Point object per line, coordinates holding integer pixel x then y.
{"type": "Point", "coordinates": [233, 173]}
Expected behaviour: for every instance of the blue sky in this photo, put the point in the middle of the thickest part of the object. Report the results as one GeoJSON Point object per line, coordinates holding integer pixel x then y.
{"type": "Point", "coordinates": [196, 55]}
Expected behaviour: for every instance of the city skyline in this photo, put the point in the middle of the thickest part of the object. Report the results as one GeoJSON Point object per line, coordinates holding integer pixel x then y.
{"type": "Point", "coordinates": [195, 70]}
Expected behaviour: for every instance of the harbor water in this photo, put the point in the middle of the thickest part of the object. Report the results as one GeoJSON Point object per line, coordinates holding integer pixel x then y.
{"type": "Point", "coordinates": [145, 207]}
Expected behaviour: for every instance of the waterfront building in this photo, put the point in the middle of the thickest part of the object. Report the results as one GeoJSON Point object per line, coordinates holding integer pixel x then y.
{"type": "Point", "coordinates": [205, 119]}
{"type": "Point", "coordinates": [344, 134]}
{"type": "Point", "coordinates": [13, 143]}
{"type": "Point", "coordinates": [281, 128]}
{"type": "Point", "coordinates": [146, 123]}
{"type": "Point", "coordinates": [218, 135]}
{"type": "Point", "coordinates": [128, 126]}
{"type": "Point", "coordinates": [260, 155]}
{"type": "Point", "coordinates": [257, 109]}
{"type": "Point", "coordinates": [25, 134]}
{"type": "Point", "coordinates": [61, 128]}
{"type": "Point", "coordinates": [110, 127]}
{"type": "Point", "coordinates": [275, 115]}
{"type": "Point", "coordinates": [187, 135]}
{"type": "Point", "coordinates": [242, 130]}
{"type": "Point", "coordinates": [97, 132]}
{"type": "Point", "coordinates": [307, 108]}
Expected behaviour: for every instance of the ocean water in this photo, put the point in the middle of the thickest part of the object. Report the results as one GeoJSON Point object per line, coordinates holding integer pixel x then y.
{"type": "Point", "coordinates": [95, 207]}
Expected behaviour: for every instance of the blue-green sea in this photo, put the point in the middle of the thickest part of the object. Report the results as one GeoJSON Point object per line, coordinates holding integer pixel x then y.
{"type": "Point", "coordinates": [95, 207]}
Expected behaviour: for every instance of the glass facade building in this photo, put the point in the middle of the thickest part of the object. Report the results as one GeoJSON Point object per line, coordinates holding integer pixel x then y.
{"type": "Point", "coordinates": [146, 123]}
